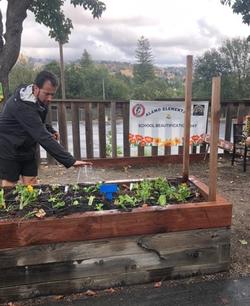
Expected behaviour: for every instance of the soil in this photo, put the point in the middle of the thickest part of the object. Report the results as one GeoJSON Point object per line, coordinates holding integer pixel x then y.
{"type": "Point", "coordinates": [232, 183]}
{"type": "Point", "coordinates": [59, 200]}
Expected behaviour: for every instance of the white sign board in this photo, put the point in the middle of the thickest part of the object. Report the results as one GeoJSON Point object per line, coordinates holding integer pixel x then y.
{"type": "Point", "coordinates": [161, 123]}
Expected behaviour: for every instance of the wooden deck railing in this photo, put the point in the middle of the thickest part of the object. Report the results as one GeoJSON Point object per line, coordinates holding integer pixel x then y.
{"type": "Point", "coordinates": [80, 122]}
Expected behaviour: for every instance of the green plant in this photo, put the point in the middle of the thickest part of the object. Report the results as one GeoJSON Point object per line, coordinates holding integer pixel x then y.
{"type": "Point", "coordinates": [144, 190]}
{"type": "Point", "coordinates": [75, 202]}
{"type": "Point", "coordinates": [56, 200]}
{"type": "Point", "coordinates": [58, 204]}
{"type": "Point", "coordinates": [125, 200]}
{"type": "Point", "coordinates": [75, 187]}
{"type": "Point", "coordinates": [25, 195]}
{"type": "Point", "coordinates": [92, 188]}
{"type": "Point", "coordinates": [2, 200]}
{"type": "Point", "coordinates": [182, 193]}
{"type": "Point", "coordinates": [109, 146]}
{"type": "Point", "coordinates": [162, 200]}
{"type": "Point", "coordinates": [55, 187]}
{"type": "Point", "coordinates": [99, 206]}
{"type": "Point", "coordinates": [162, 187]}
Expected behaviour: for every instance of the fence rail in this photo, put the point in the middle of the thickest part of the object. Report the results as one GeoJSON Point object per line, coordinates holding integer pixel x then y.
{"type": "Point", "coordinates": [89, 129]}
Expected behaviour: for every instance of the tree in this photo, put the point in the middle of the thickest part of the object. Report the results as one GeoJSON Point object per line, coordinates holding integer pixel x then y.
{"type": "Point", "coordinates": [54, 67]}
{"type": "Point", "coordinates": [47, 12]}
{"type": "Point", "coordinates": [22, 73]}
{"type": "Point", "coordinates": [144, 69]}
{"type": "Point", "coordinates": [210, 64]}
{"type": "Point", "coordinates": [86, 60]}
{"type": "Point", "coordinates": [240, 7]}
{"type": "Point", "coordinates": [232, 62]}
{"type": "Point", "coordinates": [237, 54]}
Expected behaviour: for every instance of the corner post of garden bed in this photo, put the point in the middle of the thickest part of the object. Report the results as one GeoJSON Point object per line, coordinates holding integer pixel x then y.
{"type": "Point", "coordinates": [215, 125]}
{"type": "Point", "coordinates": [187, 118]}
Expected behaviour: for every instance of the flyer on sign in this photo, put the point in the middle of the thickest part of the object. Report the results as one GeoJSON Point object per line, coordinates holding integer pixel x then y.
{"type": "Point", "coordinates": [161, 123]}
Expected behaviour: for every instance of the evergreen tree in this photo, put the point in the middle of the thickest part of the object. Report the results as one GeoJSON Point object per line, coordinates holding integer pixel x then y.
{"type": "Point", "coordinates": [86, 60]}
{"type": "Point", "coordinates": [144, 69]}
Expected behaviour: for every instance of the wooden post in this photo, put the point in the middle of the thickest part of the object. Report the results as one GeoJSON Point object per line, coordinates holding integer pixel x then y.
{"type": "Point", "coordinates": [89, 130]}
{"type": "Point", "coordinates": [62, 121]}
{"type": "Point", "coordinates": [76, 130]}
{"type": "Point", "coordinates": [187, 120]}
{"type": "Point", "coordinates": [113, 129]}
{"type": "Point", "coordinates": [215, 125]}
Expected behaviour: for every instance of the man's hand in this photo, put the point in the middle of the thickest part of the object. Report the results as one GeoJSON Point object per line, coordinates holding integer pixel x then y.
{"type": "Point", "coordinates": [80, 163]}
{"type": "Point", "coordinates": [56, 136]}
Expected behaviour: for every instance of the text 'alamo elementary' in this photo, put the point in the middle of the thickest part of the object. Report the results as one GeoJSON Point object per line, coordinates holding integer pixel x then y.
{"type": "Point", "coordinates": [164, 109]}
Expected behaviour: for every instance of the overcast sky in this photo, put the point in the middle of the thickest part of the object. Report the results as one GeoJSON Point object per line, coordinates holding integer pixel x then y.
{"type": "Point", "coordinates": [175, 28]}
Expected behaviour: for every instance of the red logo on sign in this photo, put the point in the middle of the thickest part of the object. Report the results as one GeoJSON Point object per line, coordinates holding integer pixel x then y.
{"type": "Point", "coordinates": [138, 110]}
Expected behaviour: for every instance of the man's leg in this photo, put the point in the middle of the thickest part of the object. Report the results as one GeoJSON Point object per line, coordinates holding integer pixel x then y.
{"type": "Point", "coordinates": [9, 172]}
{"type": "Point", "coordinates": [29, 180]}
{"type": "Point", "coordinates": [29, 172]}
{"type": "Point", "coordinates": [6, 183]}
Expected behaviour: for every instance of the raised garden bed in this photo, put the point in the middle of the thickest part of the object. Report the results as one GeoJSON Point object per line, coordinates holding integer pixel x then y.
{"type": "Point", "coordinates": [111, 247]}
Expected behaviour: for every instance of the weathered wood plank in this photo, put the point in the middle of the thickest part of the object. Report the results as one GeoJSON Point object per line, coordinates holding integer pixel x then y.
{"type": "Point", "coordinates": [62, 122]}
{"type": "Point", "coordinates": [89, 130]}
{"type": "Point", "coordinates": [77, 251]}
{"type": "Point", "coordinates": [147, 261]}
{"type": "Point", "coordinates": [106, 281]}
{"type": "Point", "coordinates": [140, 151]}
{"type": "Point", "coordinates": [154, 150]}
{"type": "Point", "coordinates": [76, 130]}
{"type": "Point", "coordinates": [50, 159]}
{"type": "Point", "coordinates": [215, 126]}
{"type": "Point", "coordinates": [102, 129]}
{"type": "Point", "coordinates": [126, 145]}
{"type": "Point", "coordinates": [229, 117]}
{"type": "Point", "coordinates": [187, 116]}
{"type": "Point", "coordinates": [107, 224]}
{"type": "Point", "coordinates": [162, 256]}
{"type": "Point", "coordinates": [167, 151]}
{"type": "Point", "coordinates": [113, 129]}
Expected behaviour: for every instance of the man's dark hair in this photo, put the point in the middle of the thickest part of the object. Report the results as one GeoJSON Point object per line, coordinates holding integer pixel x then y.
{"type": "Point", "coordinates": [44, 76]}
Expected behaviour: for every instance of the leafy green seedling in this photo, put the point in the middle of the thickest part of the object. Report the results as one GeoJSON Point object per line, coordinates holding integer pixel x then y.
{"type": "Point", "coordinates": [99, 206]}
{"type": "Point", "coordinates": [162, 201]}
{"type": "Point", "coordinates": [25, 195]}
{"type": "Point", "coordinates": [2, 200]}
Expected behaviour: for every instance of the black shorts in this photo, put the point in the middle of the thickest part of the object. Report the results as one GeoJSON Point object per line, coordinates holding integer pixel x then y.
{"type": "Point", "coordinates": [10, 170]}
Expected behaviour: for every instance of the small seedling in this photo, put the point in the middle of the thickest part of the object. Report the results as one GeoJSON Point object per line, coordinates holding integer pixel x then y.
{"type": "Point", "coordinates": [2, 200]}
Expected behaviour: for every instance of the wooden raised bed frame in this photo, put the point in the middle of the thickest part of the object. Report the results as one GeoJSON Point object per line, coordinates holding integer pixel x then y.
{"type": "Point", "coordinates": [113, 248]}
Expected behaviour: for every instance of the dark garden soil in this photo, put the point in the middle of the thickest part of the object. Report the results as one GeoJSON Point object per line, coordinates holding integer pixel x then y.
{"type": "Point", "coordinates": [58, 200]}
{"type": "Point", "coordinates": [233, 184]}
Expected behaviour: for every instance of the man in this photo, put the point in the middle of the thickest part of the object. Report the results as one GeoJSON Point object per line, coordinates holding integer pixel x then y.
{"type": "Point", "coordinates": [22, 126]}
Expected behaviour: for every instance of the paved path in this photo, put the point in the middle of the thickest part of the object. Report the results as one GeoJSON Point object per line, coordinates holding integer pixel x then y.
{"type": "Point", "coordinates": [209, 293]}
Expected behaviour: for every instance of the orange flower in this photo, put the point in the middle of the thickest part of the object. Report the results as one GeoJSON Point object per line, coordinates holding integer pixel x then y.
{"type": "Point", "coordinates": [142, 143]}
{"type": "Point", "coordinates": [130, 136]}
{"type": "Point", "coordinates": [148, 139]}
{"type": "Point", "coordinates": [132, 141]}
{"type": "Point", "coordinates": [168, 143]}
{"type": "Point", "coordinates": [157, 140]}
{"type": "Point", "coordinates": [195, 138]}
{"type": "Point", "coordinates": [138, 137]}
{"type": "Point", "coordinates": [176, 141]}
